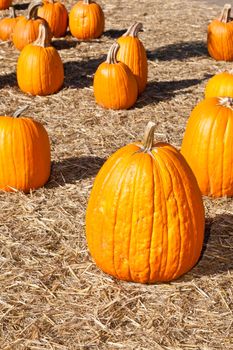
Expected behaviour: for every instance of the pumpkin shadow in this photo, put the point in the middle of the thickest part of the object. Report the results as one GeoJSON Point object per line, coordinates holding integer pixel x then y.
{"type": "Point", "coordinates": [179, 51]}
{"type": "Point", "coordinates": [8, 80]}
{"type": "Point", "coordinates": [79, 74]}
{"type": "Point", "coordinates": [65, 44]}
{"type": "Point", "coordinates": [114, 33]}
{"type": "Point", "coordinates": [70, 170]}
{"type": "Point", "coordinates": [22, 6]}
{"type": "Point", "coordinates": [157, 91]}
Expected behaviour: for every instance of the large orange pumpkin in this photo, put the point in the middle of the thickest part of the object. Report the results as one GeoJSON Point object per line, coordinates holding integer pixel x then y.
{"type": "Point", "coordinates": [40, 69]}
{"type": "Point", "coordinates": [208, 146]}
{"type": "Point", "coordinates": [25, 153]}
{"type": "Point", "coordinates": [86, 20]}
{"type": "Point", "coordinates": [115, 86]}
{"type": "Point", "coordinates": [133, 54]}
{"type": "Point", "coordinates": [27, 28]}
{"type": "Point", "coordinates": [5, 4]}
{"type": "Point", "coordinates": [145, 216]}
{"type": "Point", "coordinates": [220, 36]}
{"type": "Point", "coordinates": [8, 24]}
{"type": "Point", "coordinates": [220, 85]}
{"type": "Point", "coordinates": [55, 13]}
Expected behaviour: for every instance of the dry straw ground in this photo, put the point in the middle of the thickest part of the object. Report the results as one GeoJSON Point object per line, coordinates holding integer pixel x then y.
{"type": "Point", "coordinates": [52, 296]}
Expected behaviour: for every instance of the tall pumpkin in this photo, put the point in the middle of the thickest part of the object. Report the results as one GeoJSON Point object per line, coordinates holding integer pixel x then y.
{"type": "Point", "coordinates": [133, 54]}
{"type": "Point", "coordinates": [27, 28]}
{"type": "Point", "coordinates": [5, 4]}
{"type": "Point", "coordinates": [220, 36]}
{"type": "Point", "coordinates": [115, 86]}
{"type": "Point", "coordinates": [40, 69]}
{"type": "Point", "coordinates": [86, 20]}
{"type": "Point", "coordinates": [145, 215]}
{"type": "Point", "coordinates": [220, 85]}
{"type": "Point", "coordinates": [55, 13]}
{"type": "Point", "coordinates": [208, 146]}
{"type": "Point", "coordinates": [7, 25]}
{"type": "Point", "coordinates": [25, 153]}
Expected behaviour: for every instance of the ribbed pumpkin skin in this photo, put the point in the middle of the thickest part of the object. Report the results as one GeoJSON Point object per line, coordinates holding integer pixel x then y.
{"type": "Point", "coordinates": [86, 21]}
{"type": "Point", "coordinates": [220, 40]}
{"type": "Point", "coordinates": [208, 147]}
{"type": "Point", "coordinates": [7, 26]}
{"type": "Point", "coordinates": [133, 54]}
{"type": "Point", "coordinates": [115, 86]}
{"type": "Point", "coordinates": [57, 17]}
{"type": "Point", "coordinates": [25, 154]}
{"type": "Point", "coordinates": [5, 4]}
{"type": "Point", "coordinates": [145, 216]}
{"type": "Point", "coordinates": [39, 70]}
{"type": "Point", "coordinates": [220, 85]}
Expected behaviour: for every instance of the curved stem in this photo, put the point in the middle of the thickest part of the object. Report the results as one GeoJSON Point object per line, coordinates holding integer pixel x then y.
{"type": "Point", "coordinates": [134, 29]}
{"type": "Point", "coordinates": [43, 39]}
{"type": "Point", "coordinates": [112, 53]}
{"type": "Point", "coordinates": [226, 102]}
{"type": "Point", "coordinates": [12, 12]}
{"type": "Point", "coordinates": [19, 111]}
{"type": "Point", "coordinates": [33, 7]}
{"type": "Point", "coordinates": [226, 14]}
{"type": "Point", "coordinates": [148, 140]}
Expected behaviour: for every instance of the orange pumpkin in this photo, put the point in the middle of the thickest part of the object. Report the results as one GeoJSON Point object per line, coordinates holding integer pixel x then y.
{"type": "Point", "coordinates": [220, 85]}
{"type": "Point", "coordinates": [86, 20]}
{"type": "Point", "coordinates": [208, 146]}
{"type": "Point", "coordinates": [5, 4]}
{"type": "Point", "coordinates": [40, 69]}
{"type": "Point", "coordinates": [220, 36]}
{"type": "Point", "coordinates": [7, 25]}
{"type": "Point", "coordinates": [25, 153]}
{"type": "Point", "coordinates": [145, 216]}
{"type": "Point", "coordinates": [27, 28]}
{"type": "Point", "coordinates": [133, 54]}
{"type": "Point", "coordinates": [55, 13]}
{"type": "Point", "coordinates": [115, 86]}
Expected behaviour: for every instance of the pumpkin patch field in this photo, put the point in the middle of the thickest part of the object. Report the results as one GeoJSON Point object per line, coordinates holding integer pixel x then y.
{"type": "Point", "coordinates": [110, 237]}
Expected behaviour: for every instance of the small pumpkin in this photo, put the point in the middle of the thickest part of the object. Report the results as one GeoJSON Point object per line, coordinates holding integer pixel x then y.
{"type": "Point", "coordinates": [5, 4]}
{"type": "Point", "coordinates": [55, 13]}
{"type": "Point", "coordinates": [7, 25]}
{"type": "Point", "coordinates": [115, 86]}
{"type": "Point", "coordinates": [27, 28]}
{"type": "Point", "coordinates": [220, 36]}
{"type": "Point", "coordinates": [208, 147]}
{"type": "Point", "coordinates": [145, 215]}
{"type": "Point", "coordinates": [133, 54]}
{"type": "Point", "coordinates": [40, 69]}
{"type": "Point", "coordinates": [86, 20]}
{"type": "Point", "coordinates": [25, 153]}
{"type": "Point", "coordinates": [220, 85]}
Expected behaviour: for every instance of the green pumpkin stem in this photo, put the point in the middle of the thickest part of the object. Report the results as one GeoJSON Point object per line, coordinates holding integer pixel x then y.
{"type": "Point", "coordinates": [134, 29]}
{"type": "Point", "coordinates": [226, 102]}
{"type": "Point", "coordinates": [148, 140]}
{"type": "Point", "coordinates": [12, 12]}
{"type": "Point", "coordinates": [43, 39]}
{"type": "Point", "coordinates": [226, 14]}
{"type": "Point", "coordinates": [19, 111]}
{"type": "Point", "coordinates": [112, 53]}
{"type": "Point", "coordinates": [32, 9]}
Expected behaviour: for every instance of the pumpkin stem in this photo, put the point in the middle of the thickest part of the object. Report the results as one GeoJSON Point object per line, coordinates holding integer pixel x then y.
{"type": "Point", "coordinates": [226, 14]}
{"type": "Point", "coordinates": [87, 2]}
{"type": "Point", "coordinates": [112, 53]}
{"type": "Point", "coordinates": [12, 12]}
{"type": "Point", "coordinates": [148, 140]}
{"type": "Point", "coordinates": [226, 102]}
{"type": "Point", "coordinates": [32, 9]}
{"type": "Point", "coordinates": [43, 39]}
{"type": "Point", "coordinates": [134, 29]}
{"type": "Point", "coordinates": [19, 111]}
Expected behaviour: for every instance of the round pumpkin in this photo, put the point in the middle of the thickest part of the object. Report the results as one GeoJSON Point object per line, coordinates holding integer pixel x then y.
{"type": "Point", "coordinates": [5, 4]}
{"type": "Point", "coordinates": [145, 215]}
{"type": "Point", "coordinates": [220, 85]}
{"type": "Point", "coordinates": [208, 147]}
{"type": "Point", "coordinates": [86, 20]}
{"type": "Point", "coordinates": [27, 28]}
{"type": "Point", "coordinates": [55, 13]}
{"type": "Point", "coordinates": [7, 25]}
{"type": "Point", "coordinates": [115, 86]}
{"type": "Point", "coordinates": [133, 54]}
{"type": "Point", "coordinates": [40, 69]}
{"type": "Point", "coordinates": [25, 153]}
{"type": "Point", "coordinates": [220, 36]}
